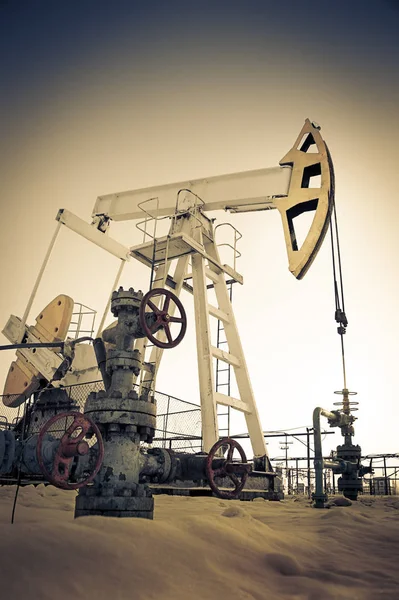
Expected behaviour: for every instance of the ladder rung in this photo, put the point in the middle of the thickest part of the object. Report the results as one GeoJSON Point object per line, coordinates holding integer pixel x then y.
{"type": "Point", "coordinates": [225, 356]}
{"type": "Point", "coordinates": [211, 275]}
{"type": "Point", "coordinates": [233, 402]}
{"type": "Point", "coordinates": [219, 314]}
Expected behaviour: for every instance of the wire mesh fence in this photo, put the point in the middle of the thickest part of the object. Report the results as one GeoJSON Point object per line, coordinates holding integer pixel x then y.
{"type": "Point", "coordinates": [178, 427]}
{"type": "Point", "coordinates": [178, 424]}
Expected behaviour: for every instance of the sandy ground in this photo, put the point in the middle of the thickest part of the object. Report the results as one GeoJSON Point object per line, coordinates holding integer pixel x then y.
{"type": "Point", "coordinates": [199, 548]}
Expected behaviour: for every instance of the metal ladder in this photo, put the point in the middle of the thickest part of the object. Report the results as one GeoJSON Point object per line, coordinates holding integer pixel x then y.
{"type": "Point", "coordinates": [221, 366]}
{"type": "Point", "coordinates": [223, 383]}
{"type": "Point", "coordinates": [142, 226]}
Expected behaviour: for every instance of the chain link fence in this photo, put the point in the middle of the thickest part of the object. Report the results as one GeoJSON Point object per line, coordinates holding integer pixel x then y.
{"type": "Point", "coordinates": [178, 422]}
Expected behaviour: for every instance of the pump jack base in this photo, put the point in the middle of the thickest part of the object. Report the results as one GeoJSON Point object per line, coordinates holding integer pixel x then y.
{"type": "Point", "coordinates": [258, 485]}
{"type": "Point", "coordinates": [245, 495]}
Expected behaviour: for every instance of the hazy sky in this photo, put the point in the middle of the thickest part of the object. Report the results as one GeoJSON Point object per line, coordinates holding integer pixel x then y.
{"type": "Point", "coordinates": [99, 97]}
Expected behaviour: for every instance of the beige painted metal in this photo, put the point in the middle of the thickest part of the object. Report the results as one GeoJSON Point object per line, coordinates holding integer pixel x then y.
{"type": "Point", "coordinates": [241, 372]}
{"type": "Point", "coordinates": [92, 234]}
{"type": "Point", "coordinates": [52, 325]}
{"type": "Point", "coordinates": [160, 280]}
{"type": "Point", "coordinates": [248, 190]}
{"type": "Point", "coordinates": [225, 357]}
{"type": "Point", "coordinates": [231, 401]}
{"type": "Point", "coordinates": [287, 188]}
{"type": "Point", "coordinates": [302, 196]}
{"type": "Point", "coordinates": [173, 246]}
{"type": "Point", "coordinates": [219, 314]}
{"type": "Point", "coordinates": [194, 234]}
{"type": "Point", "coordinates": [209, 419]}
{"type": "Point", "coordinates": [53, 322]}
{"type": "Point", "coordinates": [37, 283]}
{"type": "Point", "coordinates": [36, 364]}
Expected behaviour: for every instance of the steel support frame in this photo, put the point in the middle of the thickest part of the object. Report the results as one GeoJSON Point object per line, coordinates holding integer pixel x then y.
{"type": "Point", "coordinates": [206, 265]}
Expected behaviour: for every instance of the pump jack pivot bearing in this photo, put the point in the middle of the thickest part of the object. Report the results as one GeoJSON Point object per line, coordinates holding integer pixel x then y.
{"type": "Point", "coordinates": [222, 467]}
{"type": "Point", "coordinates": [162, 319]}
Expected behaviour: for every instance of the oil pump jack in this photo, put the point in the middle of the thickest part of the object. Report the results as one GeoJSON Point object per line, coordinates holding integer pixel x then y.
{"type": "Point", "coordinates": [101, 451]}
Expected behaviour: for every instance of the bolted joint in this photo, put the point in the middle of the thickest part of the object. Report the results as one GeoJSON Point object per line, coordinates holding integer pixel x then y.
{"type": "Point", "coordinates": [123, 359]}
{"type": "Point", "coordinates": [319, 500]}
{"type": "Point", "coordinates": [159, 465]}
{"type": "Point", "coordinates": [128, 300]}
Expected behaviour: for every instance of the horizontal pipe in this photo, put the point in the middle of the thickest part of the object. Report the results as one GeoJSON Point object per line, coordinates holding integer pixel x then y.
{"type": "Point", "coordinates": [33, 345]}
{"type": "Point", "coordinates": [330, 464]}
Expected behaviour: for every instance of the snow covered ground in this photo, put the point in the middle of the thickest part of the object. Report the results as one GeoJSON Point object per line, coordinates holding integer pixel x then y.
{"type": "Point", "coordinates": [199, 548]}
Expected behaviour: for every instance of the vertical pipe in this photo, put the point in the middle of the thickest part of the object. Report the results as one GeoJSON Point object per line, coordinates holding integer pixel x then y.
{"type": "Point", "coordinates": [101, 357]}
{"type": "Point", "coordinates": [38, 280]}
{"type": "Point", "coordinates": [297, 477]}
{"type": "Point", "coordinates": [385, 476]}
{"type": "Point", "coordinates": [308, 457]}
{"type": "Point", "coordinates": [286, 455]}
{"type": "Point", "coordinates": [319, 495]}
{"type": "Point", "coordinates": [167, 415]}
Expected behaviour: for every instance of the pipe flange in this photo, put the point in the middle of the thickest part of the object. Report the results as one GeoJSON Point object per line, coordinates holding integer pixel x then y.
{"type": "Point", "coordinates": [122, 417]}
{"type": "Point", "coordinates": [125, 300]}
{"type": "Point", "coordinates": [120, 404]}
{"type": "Point", "coordinates": [123, 363]}
{"type": "Point", "coordinates": [170, 465]}
{"type": "Point", "coordinates": [112, 354]}
{"type": "Point", "coordinates": [123, 359]}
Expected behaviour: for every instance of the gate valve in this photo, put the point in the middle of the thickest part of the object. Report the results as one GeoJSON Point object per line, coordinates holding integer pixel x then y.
{"type": "Point", "coordinates": [163, 320]}
{"type": "Point", "coordinates": [71, 447]}
{"type": "Point", "coordinates": [236, 471]}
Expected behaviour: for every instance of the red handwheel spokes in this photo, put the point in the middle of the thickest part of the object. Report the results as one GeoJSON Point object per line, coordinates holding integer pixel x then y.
{"type": "Point", "coordinates": [72, 447]}
{"type": "Point", "coordinates": [237, 472]}
{"type": "Point", "coordinates": [162, 320]}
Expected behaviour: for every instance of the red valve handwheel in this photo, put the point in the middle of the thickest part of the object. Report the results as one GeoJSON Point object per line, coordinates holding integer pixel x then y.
{"type": "Point", "coordinates": [69, 448]}
{"type": "Point", "coordinates": [163, 319]}
{"type": "Point", "coordinates": [228, 469]}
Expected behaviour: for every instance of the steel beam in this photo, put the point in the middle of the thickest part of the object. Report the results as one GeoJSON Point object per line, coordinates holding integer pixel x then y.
{"type": "Point", "coordinates": [236, 192]}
